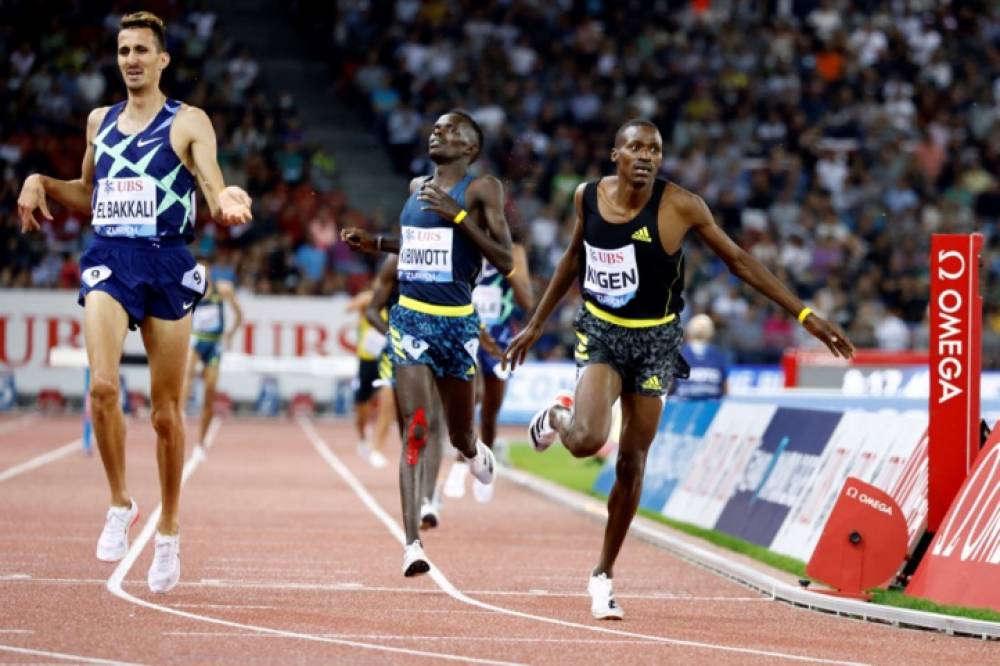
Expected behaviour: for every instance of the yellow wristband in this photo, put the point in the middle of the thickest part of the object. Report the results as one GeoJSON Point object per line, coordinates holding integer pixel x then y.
{"type": "Point", "coordinates": [511, 274]}
{"type": "Point", "coordinates": [462, 214]}
{"type": "Point", "coordinates": [806, 311]}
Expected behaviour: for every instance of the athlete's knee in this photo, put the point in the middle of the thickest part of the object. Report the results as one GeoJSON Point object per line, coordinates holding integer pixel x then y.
{"type": "Point", "coordinates": [590, 439]}
{"type": "Point", "coordinates": [166, 419]}
{"type": "Point", "coordinates": [103, 393]}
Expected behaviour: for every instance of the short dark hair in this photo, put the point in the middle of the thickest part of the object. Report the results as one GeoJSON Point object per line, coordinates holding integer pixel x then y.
{"type": "Point", "coordinates": [146, 20]}
{"type": "Point", "coordinates": [480, 137]}
{"type": "Point", "coordinates": [635, 122]}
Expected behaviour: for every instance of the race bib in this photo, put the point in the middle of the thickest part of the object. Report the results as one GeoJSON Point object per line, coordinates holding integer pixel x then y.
{"type": "Point", "coordinates": [612, 276]}
{"type": "Point", "coordinates": [488, 300]}
{"type": "Point", "coordinates": [125, 206]}
{"type": "Point", "coordinates": [425, 255]}
{"type": "Point", "coordinates": [207, 319]}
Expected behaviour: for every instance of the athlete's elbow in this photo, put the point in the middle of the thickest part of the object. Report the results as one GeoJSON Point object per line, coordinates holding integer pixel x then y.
{"type": "Point", "coordinates": [504, 262]}
{"type": "Point", "coordinates": [741, 265]}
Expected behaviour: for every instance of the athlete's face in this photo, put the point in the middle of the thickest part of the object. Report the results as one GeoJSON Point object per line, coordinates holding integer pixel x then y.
{"type": "Point", "coordinates": [638, 154]}
{"type": "Point", "coordinates": [140, 59]}
{"type": "Point", "coordinates": [450, 139]}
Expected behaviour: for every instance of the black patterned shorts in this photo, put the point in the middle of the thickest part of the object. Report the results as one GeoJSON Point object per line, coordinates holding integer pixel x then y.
{"type": "Point", "coordinates": [646, 358]}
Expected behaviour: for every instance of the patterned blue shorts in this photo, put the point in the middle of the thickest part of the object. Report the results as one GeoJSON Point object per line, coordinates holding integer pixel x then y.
{"type": "Point", "coordinates": [209, 351]}
{"type": "Point", "coordinates": [503, 334]}
{"type": "Point", "coordinates": [447, 345]}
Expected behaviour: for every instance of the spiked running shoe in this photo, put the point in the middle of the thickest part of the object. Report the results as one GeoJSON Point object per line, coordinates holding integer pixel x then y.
{"type": "Point", "coordinates": [603, 605]}
{"type": "Point", "coordinates": [113, 542]}
{"type": "Point", "coordinates": [483, 465]}
{"type": "Point", "coordinates": [542, 434]}
{"type": "Point", "coordinates": [414, 560]}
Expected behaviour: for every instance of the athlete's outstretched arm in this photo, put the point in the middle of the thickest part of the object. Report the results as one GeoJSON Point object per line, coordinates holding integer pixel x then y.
{"type": "Point", "coordinates": [748, 268]}
{"type": "Point", "coordinates": [381, 289]}
{"type": "Point", "coordinates": [485, 194]}
{"type": "Point", "coordinates": [561, 281]}
{"type": "Point", "coordinates": [228, 205]}
{"type": "Point", "coordinates": [74, 194]}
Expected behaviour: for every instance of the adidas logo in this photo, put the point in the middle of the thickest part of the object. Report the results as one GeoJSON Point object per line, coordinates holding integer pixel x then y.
{"type": "Point", "coordinates": [652, 384]}
{"type": "Point", "coordinates": [642, 235]}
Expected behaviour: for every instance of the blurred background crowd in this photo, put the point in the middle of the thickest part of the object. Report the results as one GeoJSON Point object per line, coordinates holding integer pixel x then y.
{"type": "Point", "coordinates": [830, 138]}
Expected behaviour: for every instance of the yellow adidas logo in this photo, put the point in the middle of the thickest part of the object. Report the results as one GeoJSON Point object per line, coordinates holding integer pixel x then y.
{"type": "Point", "coordinates": [652, 384]}
{"type": "Point", "coordinates": [642, 235]}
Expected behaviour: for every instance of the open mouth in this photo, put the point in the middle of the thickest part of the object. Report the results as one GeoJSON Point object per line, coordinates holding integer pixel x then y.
{"type": "Point", "coordinates": [643, 170]}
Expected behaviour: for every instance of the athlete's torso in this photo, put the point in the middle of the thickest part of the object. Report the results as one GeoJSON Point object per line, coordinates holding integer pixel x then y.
{"type": "Point", "coordinates": [209, 319]}
{"type": "Point", "coordinates": [625, 270]}
{"type": "Point", "coordinates": [493, 296]}
{"type": "Point", "coordinates": [141, 189]}
{"type": "Point", "coordinates": [437, 262]}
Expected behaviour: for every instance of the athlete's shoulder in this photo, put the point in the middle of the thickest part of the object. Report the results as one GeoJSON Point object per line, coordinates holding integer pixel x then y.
{"type": "Point", "coordinates": [95, 118]}
{"type": "Point", "coordinates": [487, 183]}
{"type": "Point", "coordinates": [192, 114]}
{"type": "Point", "coordinates": [683, 202]}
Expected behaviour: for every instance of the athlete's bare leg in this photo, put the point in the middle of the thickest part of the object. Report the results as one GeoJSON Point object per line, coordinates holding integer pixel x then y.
{"type": "Point", "coordinates": [189, 375]}
{"type": "Point", "coordinates": [585, 430]}
{"type": "Point", "coordinates": [166, 342]}
{"type": "Point", "coordinates": [105, 324]}
{"type": "Point", "coordinates": [489, 408]}
{"type": "Point", "coordinates": [210, 377]}
{"type": "Point", "coordinates": [361, 412]}
{"type": "Point", "coordinates": [415, 403]}
{"type": "Point", "coordinates": [431, 461]}
{"type": "Point", "coordinates": [458, 398]}
{"type": "Point", "coordinates": [384, 417]}
{"type": "Point", "coordinates": [640, 420]}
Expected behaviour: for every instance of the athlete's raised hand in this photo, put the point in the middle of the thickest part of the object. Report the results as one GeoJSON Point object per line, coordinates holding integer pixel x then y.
{"type": "Point", "coordinates": [234, 206]}
{"type": "Point", "coordinates": [359, 240]}
{"type": "Point", "coordinates": [437, 200]}
{"type": "Point", "coordinates": [32, 197]}
{"type": "Point", "coordinates": [829, 334]}
{"type": "Point", "coordinates": [519, 346]}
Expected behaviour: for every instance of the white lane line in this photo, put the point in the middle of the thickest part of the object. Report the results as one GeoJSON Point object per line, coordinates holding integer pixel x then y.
{"type": "Point", "coordinates": [39, 461]}
{"type": "Point", "coordinates": [114, 585]}
{"type": "Point", "coordinates": [221, 606]}
{"type": "Point", "coordinates": [415, 637]}
{"type": "Point", "coordinates": [436, 574]}
{"type": "Point", "coordinates": [62, 655]}
{"type": "Point", "coordinates": [18, 422]}
{"type": "Point", "coordinates": [219, 583]}
{"type": "Point", "coordinates": [17, 631]}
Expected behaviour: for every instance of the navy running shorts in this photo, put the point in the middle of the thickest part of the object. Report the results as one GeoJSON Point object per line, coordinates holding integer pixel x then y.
{"type": "Point", "coordinates": [148, 281]}
{"type": "Point", "coordinates": [448, 345]}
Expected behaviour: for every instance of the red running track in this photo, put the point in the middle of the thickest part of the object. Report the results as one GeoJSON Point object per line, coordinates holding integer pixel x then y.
{"type": "Point", "coordinates": [290, 556]}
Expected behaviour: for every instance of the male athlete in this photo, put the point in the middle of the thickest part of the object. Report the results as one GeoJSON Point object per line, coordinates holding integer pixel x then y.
{"type": "Point", "coordinates": [627, 254]}
{"type": "Point", "coordinates": [450, 222]}
{"type": "Point", "coordinates": [496, 298]}
{"type": "Point", "coordinates": [143, 160]}
{"type": "Point", "coordinates": [370, 342]}
{"type": "Point", "coordinates": [208, 338]}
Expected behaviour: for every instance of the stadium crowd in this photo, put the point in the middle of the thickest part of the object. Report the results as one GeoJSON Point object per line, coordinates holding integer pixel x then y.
{"type": "Point", "coordinates": [831, 138]}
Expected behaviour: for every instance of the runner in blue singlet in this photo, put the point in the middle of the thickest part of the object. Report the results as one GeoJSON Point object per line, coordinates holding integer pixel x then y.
{"type": "Point", "coordinates": [144, 157]}
{"type": "Point", "coordinates": [450, 222]}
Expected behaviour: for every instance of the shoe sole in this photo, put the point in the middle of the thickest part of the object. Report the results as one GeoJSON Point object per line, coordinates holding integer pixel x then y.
{"type": "Point", "coordinates": [122, 557]}
{"type": "Point", "coordinates": [416, 568]}
{"type": "Point", "coordinates": [428, 521]}
{"type": "Point", "coordinates": [605, 616]}
{"type": "Point", "coordinates": [166, 589]}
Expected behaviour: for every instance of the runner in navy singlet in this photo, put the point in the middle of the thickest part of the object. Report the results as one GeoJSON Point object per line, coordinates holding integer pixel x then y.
{"type": "Point", "coordinates": [144, 157]}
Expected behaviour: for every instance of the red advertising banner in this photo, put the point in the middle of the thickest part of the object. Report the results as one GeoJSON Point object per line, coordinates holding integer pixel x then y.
{"type": "Point", "coordinates": [956, 312]}
{"type": "Point", "coordinates": [962, 565]}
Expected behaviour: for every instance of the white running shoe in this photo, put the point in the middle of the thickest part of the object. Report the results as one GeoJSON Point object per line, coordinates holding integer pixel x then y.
{"type": "Point", "coordinates": [165, 570]}
{"type": "Point", "coordinates": [113, 542]}
{"type": "Point", "coordinates": [364, 450]}
{"type": "Point", "coordinates": [454, 485]}
{"type": "Point", "coordinates": [430, 513]}
{"type": "Point", "coordinates": [602, 599]}
{"type": "Point", "coordinates": [377, 460]}
{"type": "Point", "coordinates": [483, 465]}
{"type": "Point", "coordinates": [198, 453]}
{"type": "Point", "coordinates": [483, 492]}
{"type": "Point", "coordinates": [540, 431]}
{"type": "Point", "coordinates": [414, 560]}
